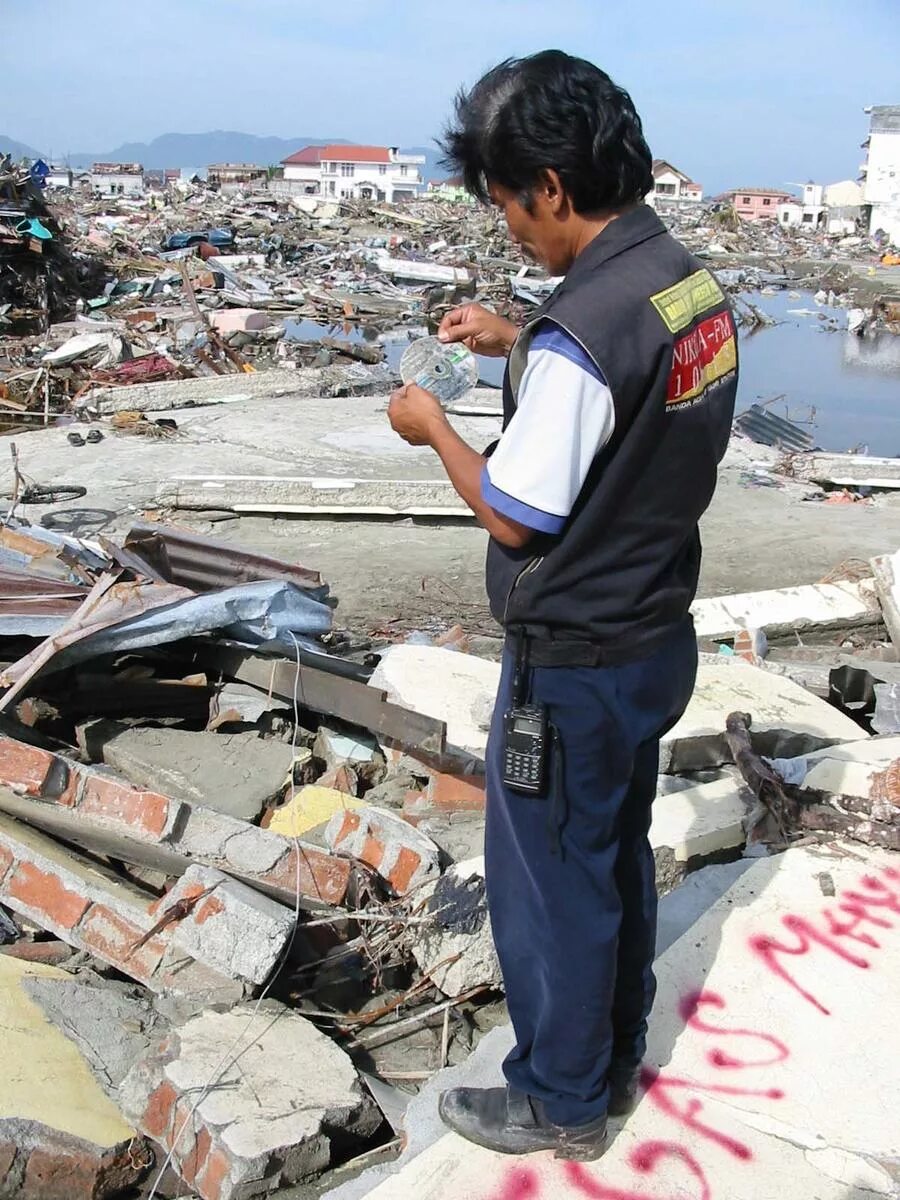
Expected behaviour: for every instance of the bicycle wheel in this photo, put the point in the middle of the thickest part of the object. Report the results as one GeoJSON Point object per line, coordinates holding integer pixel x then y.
{"type": "Point", "coordinates": [38, 493]}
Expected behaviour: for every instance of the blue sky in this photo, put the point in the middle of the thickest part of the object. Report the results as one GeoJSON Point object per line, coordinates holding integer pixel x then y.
{"type": "Point", "coordinates": [734, 93]}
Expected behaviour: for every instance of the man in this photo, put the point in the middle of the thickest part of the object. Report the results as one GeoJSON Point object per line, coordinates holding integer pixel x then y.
{"type": "Point", "coordinates": [618, 401]}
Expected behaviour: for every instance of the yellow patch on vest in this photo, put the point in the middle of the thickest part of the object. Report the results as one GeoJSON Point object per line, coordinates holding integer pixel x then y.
{"type": "Point", "coordinates": [682, 303]}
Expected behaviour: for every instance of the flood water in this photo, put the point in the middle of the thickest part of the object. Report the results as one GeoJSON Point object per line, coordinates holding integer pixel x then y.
{"type": "Point", "coordinates": [843, 389]}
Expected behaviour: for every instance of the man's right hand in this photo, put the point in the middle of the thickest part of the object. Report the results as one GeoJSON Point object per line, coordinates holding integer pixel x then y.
{"type": "Point", "coordinates": [480, 329]}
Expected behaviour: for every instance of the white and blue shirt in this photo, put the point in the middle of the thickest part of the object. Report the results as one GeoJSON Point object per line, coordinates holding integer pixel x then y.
{"type": "Point", "coordinates": [564, 418]}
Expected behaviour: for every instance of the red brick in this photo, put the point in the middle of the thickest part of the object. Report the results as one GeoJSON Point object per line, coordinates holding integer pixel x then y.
{"type": "Point", "coordinates": [210, 908]}
{"type": "Point", "coordinates": [341, 779]}
{"type": "Point", "coordinates": [322, 876]}
{"type": "Point", "coordinates": [372, 852]}
{"type": "Point", "coordinates": [113, 939]}
{"type": "Point", "coordinates": [6, 861]}
{"type": "Point", "coordinates": [218, 1166]}
{"type": "Point", "coordinates": [36, 772]}
{"type": "Point", "coordinates": [60, 1173]}
{"type": "Point", "coordinates": [194, 1164]}
{"type": "Point", "coordinates": [157, 1119]}
{"type": "Point", "coordinates": [408, 862]}
{"type": "Point", "coordinates": [145, 812]}
{"type": "Point", "coordinates": [7, 1158]}
{"type": "Point", "coordinates": [44, 894]}
{"type": "Point", "coordinates": [456, 792]}
{"type": "Point", "coordinates": [349, 825]}
{"type": "Point", "coordinates": [50, 953]}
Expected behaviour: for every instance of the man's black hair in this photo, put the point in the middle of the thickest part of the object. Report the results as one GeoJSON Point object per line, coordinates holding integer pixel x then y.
{"type": "Point", "coordinates": [550, 110]}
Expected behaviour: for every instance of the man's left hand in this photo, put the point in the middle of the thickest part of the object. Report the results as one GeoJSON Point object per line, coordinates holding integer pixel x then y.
{"type": "Point", "coordinates": [415, 414]}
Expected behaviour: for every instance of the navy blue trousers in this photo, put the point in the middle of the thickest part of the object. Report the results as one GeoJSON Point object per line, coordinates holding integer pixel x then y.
{"type": "Point", "coordinates": [575, 924]}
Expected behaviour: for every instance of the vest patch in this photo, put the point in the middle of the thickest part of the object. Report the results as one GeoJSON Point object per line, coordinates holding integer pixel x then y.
{"type": "Point", "coordinates": [686, 300]}
{"type": "Point", "coordinates": [701, 359]}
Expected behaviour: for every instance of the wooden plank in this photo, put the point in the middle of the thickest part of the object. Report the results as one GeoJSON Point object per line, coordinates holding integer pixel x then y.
{"type": "Point", "coordinates": [328, 693]}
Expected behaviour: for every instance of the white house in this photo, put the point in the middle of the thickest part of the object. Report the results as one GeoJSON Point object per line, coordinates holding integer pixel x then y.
{"type": "Point", "coordinates": [59, 177]}
{"type": "Point", "coordinates": [357, 172]}
{"type": "Point", "coordinates": [843, 205]}
{"type": "Point", "coordinates": [808, 213]}
{"type": "Point", "coordinates": [881, 171]}
{"type": "Point", "coordinates": [671, 186]}
{"type": "Point", "coordinates": [117, 179]}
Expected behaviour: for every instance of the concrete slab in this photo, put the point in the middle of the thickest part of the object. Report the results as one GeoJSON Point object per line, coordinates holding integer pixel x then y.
{"type": "Point", "coordinates": [811, 608]}
{"type": "Point", "coordinates": [741, 1098]}
{"type": "Point", "coordinates": [443, 684]}
{"type": "Point", "coordinates": [843, 769]}
{"type": "Point", "coordinates": [787, 720]}
{"type": "Point", "coordinates": [698, 821]}
{"type": "Point", "coordinates": [55, 1121]}
{"type": "Point", "coordinates": [232, 773]}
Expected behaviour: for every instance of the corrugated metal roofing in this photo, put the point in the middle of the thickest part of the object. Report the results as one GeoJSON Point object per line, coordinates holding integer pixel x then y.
{"type": "Point", "coordinates": [770, 430]}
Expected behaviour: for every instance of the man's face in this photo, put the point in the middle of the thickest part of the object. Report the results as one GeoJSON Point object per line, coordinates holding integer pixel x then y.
{"type": "Point", "coordinates": [540, 233]}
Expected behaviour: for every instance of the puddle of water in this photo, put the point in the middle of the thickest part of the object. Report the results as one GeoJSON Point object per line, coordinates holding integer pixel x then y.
{"type": "Point", "coordinates": [852, 383]}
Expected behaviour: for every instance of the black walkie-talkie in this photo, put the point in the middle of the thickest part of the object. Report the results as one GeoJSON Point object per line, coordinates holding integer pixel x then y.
{"type": "Point", "coordinates": [527, 735]}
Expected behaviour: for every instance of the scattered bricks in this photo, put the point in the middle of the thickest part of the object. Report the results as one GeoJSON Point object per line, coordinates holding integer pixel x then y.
{"type": "Point", "coordinates": [93, 909]}
{"type": "Point", "coordinates": [401, 855]}
{"type": "Point", "coordinates": [234, 929]}
{"type": "Point", "coordinates": [32, 771]}
{"type": "Point", "coordinates": [63, 1172]}
{"type": "Point", "coordinates": [44, 897]}
{"type": "Point", "coordinates": [323, 879]}
{"type": "Point", "coordinates": [285, 1094]}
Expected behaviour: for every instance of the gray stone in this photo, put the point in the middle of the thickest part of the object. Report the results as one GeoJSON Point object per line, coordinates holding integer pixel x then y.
{"type": "Point", "coordinates": [233, 773]}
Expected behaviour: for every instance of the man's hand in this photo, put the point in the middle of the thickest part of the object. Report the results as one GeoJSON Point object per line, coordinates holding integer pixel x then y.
{"type": "Point", "coordinates": [479, 329]}
{"type": "Point", "coordinates": [415, 415]}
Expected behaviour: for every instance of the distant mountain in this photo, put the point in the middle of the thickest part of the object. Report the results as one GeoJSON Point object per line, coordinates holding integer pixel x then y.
{"type": "Point", "coordinates": [17, 149]}
{"type": "Point", "coordinates": [196, 150]}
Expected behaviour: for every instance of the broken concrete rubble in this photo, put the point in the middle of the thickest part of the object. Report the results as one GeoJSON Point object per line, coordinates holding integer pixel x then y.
{"type": "Point", "coordinates": [92, 909]}
{"type": "Point", "coordinates": [232, 773]}
{"type": "Point", "coordinates": [248, 1100]}
{"type": "Point", "coordinates": [61, 1138]}
{"type": "Point", "coordinates": [103, 814]}
{"type": "Point", "coordinates": [731, 969]}
{"type": "Point", "coordinates": [787, 720]}
{"type": "Point", "coordinates": [801, 610]}
{"type": "Point", "coordinates": [456, 949]}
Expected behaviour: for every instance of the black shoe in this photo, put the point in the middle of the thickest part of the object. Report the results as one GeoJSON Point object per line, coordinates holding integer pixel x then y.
{"type": "Point", "coordinates": [624, 1084]}
{"type": "Point", "coordinates": [510, 1122]}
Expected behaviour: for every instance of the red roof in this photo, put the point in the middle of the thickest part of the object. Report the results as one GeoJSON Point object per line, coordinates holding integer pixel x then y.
{"type": "Point", "coordinates": [364, 154]}
{"type": "Point", "coordinates": [310, 156]}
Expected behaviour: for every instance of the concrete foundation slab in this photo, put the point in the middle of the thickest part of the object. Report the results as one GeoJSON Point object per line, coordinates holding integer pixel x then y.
{"type": "Point", "coordinates": [801, 950]}
{"type": "Point", "coordinates": [812, 608]}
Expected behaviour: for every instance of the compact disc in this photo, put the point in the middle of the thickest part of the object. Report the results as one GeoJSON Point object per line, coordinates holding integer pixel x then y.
{"type": "Point", "coordinates": [447, 371]}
